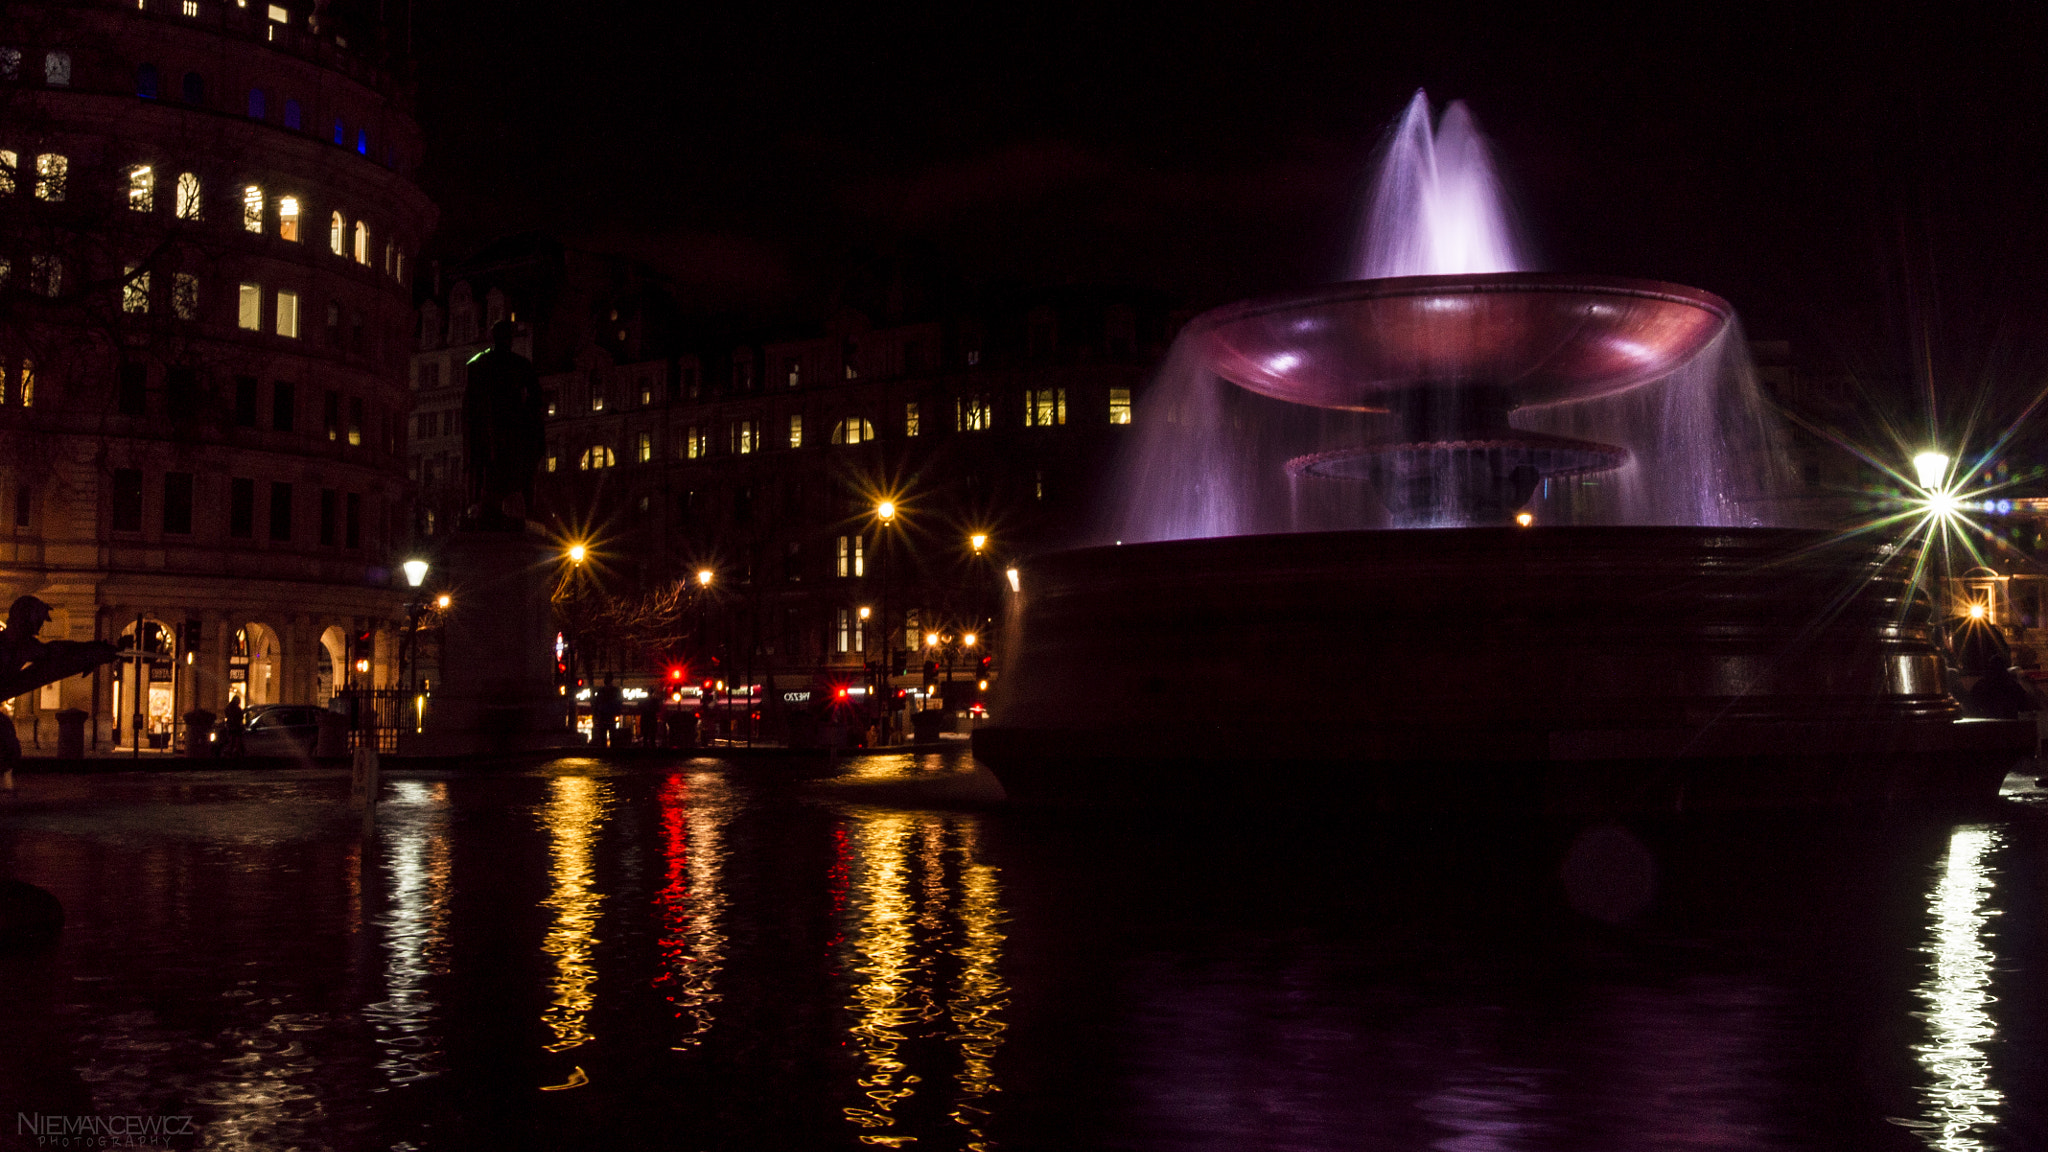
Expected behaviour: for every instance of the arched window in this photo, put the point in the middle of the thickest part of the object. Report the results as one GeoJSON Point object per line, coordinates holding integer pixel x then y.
{"type": "Point", "coordinates": [362, 142]}
{"type": "Point", "coordinates": [252, 208]}
{"type": "Point", "coordinates": [141, 188]}
{"type": "Point", "coordinates": [288, 218]}
{"type": "Point", "coordinates": [256, 104]}
{"type": "Point", "coordinates": [194, 88]}
{"type": "Point", "coordinates": [146, 82]}
{"type": "Point", "coordinates": [191, 205]}
{"type": "Point", "coordinates": [362, 242]}
{"type": "Point", "coordinates": [337, 235]}
{"type": "Point", "coordinates": [596, 456]}
{"type": "Point", "coordinates": [294, 116]}
{"type": "Point", "coordinates": [852, 430]}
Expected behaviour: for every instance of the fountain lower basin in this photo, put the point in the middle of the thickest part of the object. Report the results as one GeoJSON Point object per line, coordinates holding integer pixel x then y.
{"type": "Point", "coordinates": [1562, 669]}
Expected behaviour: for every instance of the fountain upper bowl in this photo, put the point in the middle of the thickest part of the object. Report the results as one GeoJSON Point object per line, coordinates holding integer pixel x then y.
{"type": "Point", "coordinates": [1542, 338]}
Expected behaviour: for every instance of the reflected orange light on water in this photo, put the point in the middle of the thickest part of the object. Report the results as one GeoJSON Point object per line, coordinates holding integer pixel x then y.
{"type": "Point", "coordinates": [927, 995]}
{"type": "Point", "coordinates": [576, 809]}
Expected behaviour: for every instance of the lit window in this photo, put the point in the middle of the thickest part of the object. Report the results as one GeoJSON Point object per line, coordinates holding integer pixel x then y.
{"type": "Point", "coordinates": [852, 430]}
{"type": "Point", "coordinates": [852, 559]}
{"type": "Point", "coordinates": [646, 391]}
{"type": "Point", "coordinates": [57, 69]}
{"type": "Point", "coordinates": [1045, 407]}
{"type": "Point", "coordinates": [256, 102]}
{"type": "Point", "coordinates": [185, 295]}
{"type": "Point", "coordinates": [644, 448]}
{"type": "Point", "coordinates": [337, 235]}
{"type": "Point", "coordinates": [134, 290]}
{"type": "Point", "coordinates": [45, 275]}
{"type": "Point", "coordinates": [288, 217]}
{"type": "Point", "coordinates": [796, 373]}
{"type": "Point", "coordinates": [845, 621]}
{"type": "Point", "coordinates": [362, 242]}
{"type": "Point", "coordinates": [355, 421]}
{"type": "Point", "coordinates": [252, 208]}
{"type": "Point", "coordinates": [287, 313]}
{"type": "Point", "coordinates": [597, 397]}
{"type": "Point", "coordinates": [1119, 405]}
{"type": "Point", "coordinates": [189, 7]}
{"type": "Point", "coordinates": [553, 462]}
{"type": "Point", "coordinates": [141, 188]}
{"type": "Point", "coordinates": [971, 414]}
{"type": "Point", "coordinates": [9, 162]}
{"type": "Point", "coordinates": [6, 269]}
{"type": "Point", "coordinates": [398, 267]}
{"type": "Point", "coordinates": [744, 437]}
{"type": "Point", "coordinates": [596, 456]}
{"type": "Point", "coordinates": [693, 443]}
{"type": "Point", "coordinates": [910, 418]}
{"type": "Point", "coordinates": [279, 15]}
{"type": "Point", "coordinates": [51, 171]}
{"type": "Point", "coordinates": [28, 383]}
{"type": "Point", "coordinates": [191, 205]}
{"type": "Point", "coordinates": [796, 431]}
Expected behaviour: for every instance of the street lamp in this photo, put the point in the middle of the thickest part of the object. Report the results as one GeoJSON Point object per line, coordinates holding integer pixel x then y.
{"type": "Point", "coordinates": [409, 653]}
{"type": "Point", "coordinates": [978, 541]}
{"type": "Point", "coordinates": [704, 577]}
{"type": "Point", "coordinates": [1931, 468]}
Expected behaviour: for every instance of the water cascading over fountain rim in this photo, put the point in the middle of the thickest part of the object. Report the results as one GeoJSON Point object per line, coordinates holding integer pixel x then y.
{"type": "Point", "coordinates": [1230, 337]}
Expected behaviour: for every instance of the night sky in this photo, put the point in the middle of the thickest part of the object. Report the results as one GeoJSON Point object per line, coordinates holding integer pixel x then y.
{"type": "Point", "coordinates": [1847, 176]}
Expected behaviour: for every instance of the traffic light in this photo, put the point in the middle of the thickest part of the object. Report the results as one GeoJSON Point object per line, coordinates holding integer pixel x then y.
{"type": "Point", "coordinates": [897, 663]}
{"type": "Point", "coordinates": [986, 662]}
{"type": "Point", "coordinates": [188, 641]}
{"type": "Point", "coordinates": [365, 641]}
{"type": "Point", "coordinates": [931, 672]}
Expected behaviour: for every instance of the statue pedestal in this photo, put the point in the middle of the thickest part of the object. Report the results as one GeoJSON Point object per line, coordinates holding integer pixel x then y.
{"type": "Point", "coordinates": [496, 692]}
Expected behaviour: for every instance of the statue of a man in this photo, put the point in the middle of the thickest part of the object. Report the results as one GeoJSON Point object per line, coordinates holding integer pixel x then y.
{"type": "Point", "coordinates": [503, 438]}
{"type": "Point", "coordinates": [27, 663]}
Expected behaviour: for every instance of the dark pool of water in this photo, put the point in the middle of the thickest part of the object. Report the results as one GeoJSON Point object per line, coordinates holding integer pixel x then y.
{"type": "Point", "coordinates": [712, 955]}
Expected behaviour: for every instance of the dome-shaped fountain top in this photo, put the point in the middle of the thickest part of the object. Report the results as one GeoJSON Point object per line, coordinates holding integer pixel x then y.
{"type": "Point", "coordinates": [1539, 338]}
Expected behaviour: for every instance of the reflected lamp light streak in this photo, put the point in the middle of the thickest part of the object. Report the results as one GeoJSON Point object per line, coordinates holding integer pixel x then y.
{"type": "Point", "coordinates": [1960, 1102]}
{"type": "Point", "coordinates": [416, 862]}
{"type": "Point", "coordinates": [574, 812]}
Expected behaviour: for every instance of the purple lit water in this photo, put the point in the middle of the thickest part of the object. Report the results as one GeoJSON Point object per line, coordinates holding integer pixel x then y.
{"type": "Point", "coordinates": [1209, 459]}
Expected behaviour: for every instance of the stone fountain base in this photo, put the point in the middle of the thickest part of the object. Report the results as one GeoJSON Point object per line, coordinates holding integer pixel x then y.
{"type": "Point", "coordinates": [1543, 669]}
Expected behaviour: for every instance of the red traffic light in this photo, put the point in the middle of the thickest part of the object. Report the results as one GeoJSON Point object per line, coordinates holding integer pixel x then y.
{"type": "Point", "coordinates": [675, 673]}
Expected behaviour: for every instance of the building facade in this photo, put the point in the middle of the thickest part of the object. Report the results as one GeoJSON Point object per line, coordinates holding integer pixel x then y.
{"type": "Point", "coordinates": [207, 235]}
{"type": "Point", "coordinates": [846, 500]}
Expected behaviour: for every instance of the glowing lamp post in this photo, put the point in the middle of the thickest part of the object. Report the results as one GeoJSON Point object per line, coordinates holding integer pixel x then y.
{"type": "Point", "coordinates": [576, 553]}
{"type": "Point", "coordinates": [1931, 469]}
{"type": "Point", "coordinates": [415, 571]}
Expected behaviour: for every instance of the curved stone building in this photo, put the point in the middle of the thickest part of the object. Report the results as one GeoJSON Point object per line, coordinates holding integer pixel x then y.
{"type": "Point", "coordinates": [207, 230]}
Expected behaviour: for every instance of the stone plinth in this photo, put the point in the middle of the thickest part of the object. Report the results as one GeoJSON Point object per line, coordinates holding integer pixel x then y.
{"type": "Point", "coordinates": [496, 693]}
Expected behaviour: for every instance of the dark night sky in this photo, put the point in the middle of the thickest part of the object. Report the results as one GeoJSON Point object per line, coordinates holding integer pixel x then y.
{"type": "Point", "coordinates": [1821, 167]}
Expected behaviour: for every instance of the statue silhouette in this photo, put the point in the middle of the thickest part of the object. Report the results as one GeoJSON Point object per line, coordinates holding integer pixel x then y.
{"type": "Point", "coordinates": [27, 663]}
{"type": "Point", "coordinates": [503, 436]}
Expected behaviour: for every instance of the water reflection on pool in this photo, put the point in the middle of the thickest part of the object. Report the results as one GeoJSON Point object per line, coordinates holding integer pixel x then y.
{"type": "Point", "coordinates": [710, 955]}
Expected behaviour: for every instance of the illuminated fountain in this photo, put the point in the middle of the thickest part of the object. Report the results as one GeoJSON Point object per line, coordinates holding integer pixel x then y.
{"type": "Point", "coordinates": [1663, 651]}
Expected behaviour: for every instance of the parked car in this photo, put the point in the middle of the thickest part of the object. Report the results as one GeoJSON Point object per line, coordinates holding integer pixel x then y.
{"type": "Point", "coordinates": [281, 730]}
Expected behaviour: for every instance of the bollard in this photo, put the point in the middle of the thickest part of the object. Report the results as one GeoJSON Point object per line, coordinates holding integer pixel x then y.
{"type": "Point", "coordinates": [71, 734]}
{"type": "Point", "coordinates": [364, 784]}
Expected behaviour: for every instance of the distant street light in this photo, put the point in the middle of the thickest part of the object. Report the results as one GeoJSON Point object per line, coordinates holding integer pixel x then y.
{"type": "Point", "coordinates": [864, 612]}
{"type": "Point", "coordinates": [704, 577]}
{"type": "Point", "coordinates": [443, 601]}
{"type": "Point", "coordinates": [968, 639]}
{"type": "Point", "coordinates": [415, 572]}
{"type": "Point", "coordinates": [978, 541]}
{"type": "Point", "coordinates": [576, 553]}
{"type": "Point", "coordinates": [886, 511]}
{"type": "Point", "coordinates": [931, 639]}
